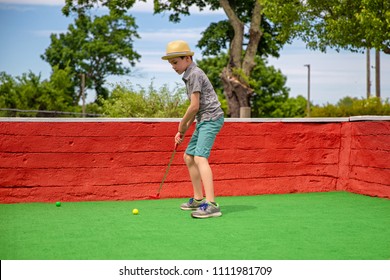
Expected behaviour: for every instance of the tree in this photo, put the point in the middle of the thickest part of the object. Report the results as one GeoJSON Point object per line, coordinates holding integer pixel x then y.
{"type": "Point", "coordinates": [28, 92]}
{"type": "Point", "coordinates": [268, 84]}
{"type": "Point", "coordinates": [341, 24]}
{"type": "Point", "coordinates": [243, 43]}
{"type": "Point", "coordinates": [81, 6]}
{"type": "Point", "coordinates": [9, 96]}
{"type": "Point", "coordinates": [95, 46]}
{"type": "Point", "coordinates": [58, 93]}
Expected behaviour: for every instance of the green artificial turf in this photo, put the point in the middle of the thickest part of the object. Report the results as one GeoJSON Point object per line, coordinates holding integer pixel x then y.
{"type": "Point", "coordinates": [331, 226]}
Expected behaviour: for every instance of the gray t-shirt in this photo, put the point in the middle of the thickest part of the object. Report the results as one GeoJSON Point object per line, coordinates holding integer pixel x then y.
{"type": "Point", "coordinates": [197, 81]}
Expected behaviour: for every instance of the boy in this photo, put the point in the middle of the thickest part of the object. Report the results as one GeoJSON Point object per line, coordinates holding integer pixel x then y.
{"type": "Point", "coordinates": [206, 108]}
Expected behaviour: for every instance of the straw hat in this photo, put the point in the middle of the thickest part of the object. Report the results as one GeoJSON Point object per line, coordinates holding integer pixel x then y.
{"type": "Point", "coordinates": [176, 49]}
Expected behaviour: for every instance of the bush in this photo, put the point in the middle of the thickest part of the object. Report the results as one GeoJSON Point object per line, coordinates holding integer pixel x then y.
{"type": "Point", "coordinates": [125, 102]}
{"type": "Point", "coordinates": [291, 108]}
{"type": "Point", "coordinates": [29, 96]}
{"type": "Point", "coordinates": [349, 106]}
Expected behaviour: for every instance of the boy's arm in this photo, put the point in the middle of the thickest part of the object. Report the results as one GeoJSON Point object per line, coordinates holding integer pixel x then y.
{"type": "Point", "coordinates": [190, 114]}
{"type": "Point", "coordinates": [188, 118]}
{"type": "Point", "coordinates": [190, 122]}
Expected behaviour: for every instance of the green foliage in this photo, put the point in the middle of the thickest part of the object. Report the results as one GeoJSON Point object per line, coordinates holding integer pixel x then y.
{"type": "Point", "coordinates": [341, 24]}
{"type": "Point", "coordinates": [349, 106]}
{"type": "Point", "coordinates": [97, 46]}
{"type": "Point", "coordinates": [290, 108]}
{"type": "Point", "coordinates": [28, 92]}
{"type": "Point", "coordinates": [125, 102]}
{"type": "Point", "coordinates": [182, 7]}
{"type": "Point", "coordinates": [270, 90]}
{"type": "Point", "coordinates": [271, 94]}
{"type": "Point", "coordinates": [218, 36]}
{"type": "Point", "coordinates": [9, 95]}
{"type": "Point", "coordinates": [58, 92]}
{"type": "Point", "coordinates": [117, 6]}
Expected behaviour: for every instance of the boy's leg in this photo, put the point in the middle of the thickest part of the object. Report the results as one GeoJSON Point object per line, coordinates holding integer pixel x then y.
{"type": "Point", "coordinates": [206, 176]}
{"type": "Point", "coordinates": [197, 199]}
{"type": "Point", "coordinates": [206, 135]}
{"type": "Point", "coordinates": [196, 158]}
{"type": "Point", "coordinates": [195, 176]}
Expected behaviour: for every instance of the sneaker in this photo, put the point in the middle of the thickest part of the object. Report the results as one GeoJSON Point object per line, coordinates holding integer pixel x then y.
{"type": "Point", "coordinates": [207, 210]}
{"type": "Point", "coordinates": [192, 204]}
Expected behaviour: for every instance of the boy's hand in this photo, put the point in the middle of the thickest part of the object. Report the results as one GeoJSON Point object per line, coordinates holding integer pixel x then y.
{"type": "Point", "coordinates": [179, 138]}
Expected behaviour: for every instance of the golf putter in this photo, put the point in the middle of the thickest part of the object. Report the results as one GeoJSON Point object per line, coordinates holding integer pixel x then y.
{"type": "Point", "coordinates": [157, 196]}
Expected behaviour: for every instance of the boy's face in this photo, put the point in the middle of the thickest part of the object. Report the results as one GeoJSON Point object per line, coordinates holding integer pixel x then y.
{"type": "Point", "coordinates": [180, 64]}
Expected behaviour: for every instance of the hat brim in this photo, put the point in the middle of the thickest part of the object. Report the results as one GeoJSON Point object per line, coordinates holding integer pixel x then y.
{"type": "Point", "coordinates": [176, 54]}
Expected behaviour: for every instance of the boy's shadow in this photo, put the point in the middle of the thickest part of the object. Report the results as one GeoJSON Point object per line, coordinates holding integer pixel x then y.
{"type": "Point", "coordinates": [227, 209]}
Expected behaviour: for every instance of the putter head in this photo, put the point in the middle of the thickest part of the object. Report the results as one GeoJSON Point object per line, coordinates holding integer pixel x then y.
{"type": "Point", "coordinates": [157, 196]}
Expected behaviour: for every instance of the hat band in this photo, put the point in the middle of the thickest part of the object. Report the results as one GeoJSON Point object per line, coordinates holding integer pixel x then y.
{"type": "Point", "coordinates": [178, 53]}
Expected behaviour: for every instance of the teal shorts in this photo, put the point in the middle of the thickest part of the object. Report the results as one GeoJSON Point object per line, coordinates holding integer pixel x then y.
{"type": "Point", "coordinates": [203, 138]}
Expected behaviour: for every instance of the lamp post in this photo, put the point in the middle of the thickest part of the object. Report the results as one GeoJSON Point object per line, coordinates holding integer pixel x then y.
{"type": "Point", "coordinates": [377, 73]}
{"type": "Point", "coordinates": [368, 73]}
{"type": "Point", "coordinates": [82, 89]}
{"type": "Point", "coordinates": [308, 90]}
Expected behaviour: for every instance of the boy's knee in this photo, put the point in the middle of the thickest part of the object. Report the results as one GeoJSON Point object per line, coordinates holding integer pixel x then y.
{"type": "Point", "coordinates": [199, 160]}
{"type": "Point", "coordinates": [188, 159]}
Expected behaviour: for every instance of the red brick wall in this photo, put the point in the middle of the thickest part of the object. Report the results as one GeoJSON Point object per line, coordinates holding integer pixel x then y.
{"type": "Point", "coordinates": [124, 160]}
{"type": "Point", "coordinates": [369, 162]}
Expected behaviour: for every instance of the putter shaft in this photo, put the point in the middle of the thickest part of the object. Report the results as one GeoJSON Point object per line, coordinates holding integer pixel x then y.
{"type": "Point", "coordinates": [166, 171]}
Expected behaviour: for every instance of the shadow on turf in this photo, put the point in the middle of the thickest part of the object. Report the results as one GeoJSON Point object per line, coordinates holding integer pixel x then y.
{"type": "Point", "coordinates": [227, 209]}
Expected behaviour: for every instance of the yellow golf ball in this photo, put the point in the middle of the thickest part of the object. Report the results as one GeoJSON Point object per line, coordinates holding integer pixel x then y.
{"type": "Point", "coordinates": [135, 211]}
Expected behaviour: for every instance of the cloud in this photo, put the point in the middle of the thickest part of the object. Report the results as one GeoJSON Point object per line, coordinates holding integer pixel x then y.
{"type": "Point", "coordinates": [172, 34]}
{"type": "Point", "coordinates": [153, 42]}
{"type": "Point", "coordinates": [158, 67]}
{"type": "Point", "coordinates": [34, 2]}
{"type": "Point", "coordinates": [139, 6]}
{"type": "Point", "coordinates": [150, 53]}
{"type": "Point", "coordinates": [16, 8]}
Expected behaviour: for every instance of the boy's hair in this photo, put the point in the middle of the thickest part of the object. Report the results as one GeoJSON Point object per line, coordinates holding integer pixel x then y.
{"type": "Point", "coordinates": [182, 57]}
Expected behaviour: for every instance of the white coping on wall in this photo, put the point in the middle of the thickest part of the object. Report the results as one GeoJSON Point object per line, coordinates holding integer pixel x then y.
{"type": "Point", "coordinates": [369, 118]}
{"type": "Point", "coordinates": [246, 120]}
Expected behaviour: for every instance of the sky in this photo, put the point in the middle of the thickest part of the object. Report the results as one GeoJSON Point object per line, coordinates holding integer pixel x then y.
{"type": "Point", "coordinates": [26, 25]}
